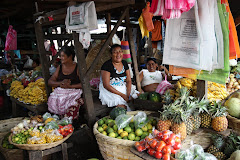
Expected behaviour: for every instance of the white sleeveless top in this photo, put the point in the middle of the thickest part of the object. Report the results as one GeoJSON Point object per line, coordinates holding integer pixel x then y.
{"type": "Point", "coordinates": [151, 77]}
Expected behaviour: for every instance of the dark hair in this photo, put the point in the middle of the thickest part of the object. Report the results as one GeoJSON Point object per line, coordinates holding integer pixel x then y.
{"type": "Point", "coordinates": [69, 51]}
{"type": "Point", "coordinates": [37, 61]}
{"type": "Point", "coordinates": [151, 59]}
{"type": "Point", "coordinates": [114, 46]}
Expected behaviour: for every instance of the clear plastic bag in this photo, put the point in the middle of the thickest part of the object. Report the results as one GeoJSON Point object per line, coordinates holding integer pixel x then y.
{"type": "Point", "coordinates": [55, 117]}
{"type": "Point", "coordinates": [140, 119]}
{"type": "Point", "coordinates": [209, 156]}
{"type": "Point", "coordinates": [197, 149]}
{"type": "Point", "coordinates": [123, 120]}
{"type": "Point", "coordinates": [46, 116]}
{"type": "Point", "coordinates": [51, 125]}
{"type": "Point", "coordinates": [65, 121]}
{"type": "Point", "coordinates": [184, 155]}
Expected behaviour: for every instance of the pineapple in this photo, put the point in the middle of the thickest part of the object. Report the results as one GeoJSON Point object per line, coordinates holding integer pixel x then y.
{"type": "Point", "coordinates": [206, 120]}
{"type": "Point", "coordinates": [189, 126]}
{"type": "Point", "coordinates": [220, 155]}
{"type": "Point", "coordinates": [219, 122]}
{"type": "Point", "coordinates": [179, 126]}
{"type": "Point", "coordinates": [218, 140]}
{"type": "Point", "coordinates": [164, 123]}
{"type": "Point", "coordinates": [167, 97]}
{"type": "Point", "coordinates": [212, 149]}
{"type": "Point", "coordinates": [196, 120]}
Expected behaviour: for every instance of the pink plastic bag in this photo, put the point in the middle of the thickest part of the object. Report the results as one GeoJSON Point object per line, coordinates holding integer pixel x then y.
{"type": "Point", "coordinates": [163, 86]}
{"type": "Point", "coordinates": [11, 39]}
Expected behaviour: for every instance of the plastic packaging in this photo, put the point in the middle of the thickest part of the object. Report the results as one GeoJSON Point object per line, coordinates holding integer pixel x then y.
{"type": "Point", "coordinates": [46, 116]}
{"type": "Point", "coordinates": [140, 119]}
{"type": "Point", "coordinates": [65, 121]}
{"type": "Point", "coordinates": [123, 120]}
{"type": "Point", "coordinates": [197, 149]}
{"type": "Point", "coordinates": [55, 117]}
{"type": "Point", "coordinates": [51, 125]}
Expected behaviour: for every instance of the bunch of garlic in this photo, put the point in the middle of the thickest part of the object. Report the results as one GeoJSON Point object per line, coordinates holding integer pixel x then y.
{"type": "Point", "coordinates": [233, 84]}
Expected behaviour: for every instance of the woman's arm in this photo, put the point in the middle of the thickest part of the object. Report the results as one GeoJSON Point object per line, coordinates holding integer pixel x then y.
{"type": "Point", "coordinates": [128, 82]}
{"type": "Point", "coordinates": [53, 80]}
{"type": "Point", "coordinates": [169, 77]}
{"type": "Point", "coordinates": [141, 78]}
{"type": "Point", "coordinates": [106, 84]}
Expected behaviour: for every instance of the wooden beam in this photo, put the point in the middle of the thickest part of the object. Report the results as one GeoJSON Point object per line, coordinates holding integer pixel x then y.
{"type": "Point", "coordinates": [108, 1]}
{"type": "Point", "coordinates": [82, 68]}
{"type": "Point", "coordinates": [237, 21]}
{"type": "Point", "coordinates": [108, 22]}
{"type": "Point", "coordinates": [106, 43]}
{"type": "Point", "coordinates": [43, 57]}
{"type": "Point", "coordinates": [132, 48]}
{"type": "Point", "coordinates": [114, 5]}
{"type": "Point", "coordinates": [201, 88]}
{"type": "Point", "coordinates": [67, 36]}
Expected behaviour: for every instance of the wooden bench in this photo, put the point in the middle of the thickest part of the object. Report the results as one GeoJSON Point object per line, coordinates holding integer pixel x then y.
{"type": "Point", "coordinates": [37, 109]}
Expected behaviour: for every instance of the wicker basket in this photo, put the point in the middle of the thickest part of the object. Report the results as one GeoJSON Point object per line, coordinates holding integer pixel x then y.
{"type": "Point", "coordinates": [233, 123]}
{"type": "Point", "coordinates": [38, 146]}
{"type": "Point", "coordinates": [113, 148]}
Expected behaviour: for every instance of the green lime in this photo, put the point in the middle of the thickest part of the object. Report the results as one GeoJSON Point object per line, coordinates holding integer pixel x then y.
{"type": "Point", "coordinates": [16, 139]}
{"type": "Point", "coordinates": [131, 124]}
{"type": "Point", "coordinates": [110, 130]}
{"type": "Point", "coordinates": [128, 129]}
{"type": "Point", "coordinates": [145, 134]}
{"type": "Point", "coordinates": [137, 138]}
{"type": "Point", "coordinates": [100, 122]}
{"type": "Point", "coordinates": [108, 121]}
{"type": "Point", "coordinates": [126, 137]}
{"type": "Point", "coordinates": [116, 134]}
{"type": "Point", "coordinates": [104, 119]}
{"type": "Point", "coordinates": [26, 132]}
{"type": "Point", "coordinates": [131, 136]}
{"type": "Point", "coordinates": [119, 137]}
{"type": "Point", "coordinates": [112, 134]}
{"type": "Point", "coordinates": [104, 126]}
{"type": "Point", "coordinates": [111, 124]}
{"type": "Point", "coordinates": [104, 132]}
{"type": "Point", "coordinates": [124, 134]}
{"type": "Point", "coordinates": [138, 132]}
{"type": "Point", "coordinates": [115, 128]}
{"type": "Point", "coordinates": [100, 129]}
{"type": "Point", "coordinates": [149, 126]}
{"type": "Point", "coordinates": [120, 131]}
{"type": "Point", "coordinates": [144, 128]}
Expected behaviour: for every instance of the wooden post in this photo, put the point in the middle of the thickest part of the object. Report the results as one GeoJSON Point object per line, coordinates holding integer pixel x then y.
{"type": "Point", "coordinates": [82, 68]}
{"type": "Point", "coordinates": [108, 21]}
{"type": "Point", "coordinates": [132, 48]}
{"type": "Point", "coordinates": [64, 151]}
{"type": "Point", "coordinates": [201, 89]}
{"type": "Point", "coordinates": [14, 109]}
{"type": "Point", "coordinates": [43, 57]}
{"type": "Point", "coordinates": [150, 50]}
{"type": "Point", "coordinates": [106, 43]}
{"type": "Point", "coordinates": [35, 155]}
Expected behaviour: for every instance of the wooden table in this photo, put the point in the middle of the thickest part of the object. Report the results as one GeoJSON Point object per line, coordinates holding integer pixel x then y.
{"type": "Point", "coordinates": [37, 109]}
{"type": "Point", "coordinates": [38, 155]}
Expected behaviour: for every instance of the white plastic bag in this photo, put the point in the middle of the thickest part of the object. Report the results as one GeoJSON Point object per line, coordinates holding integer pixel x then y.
{"type": "Point", "coordinates": [29, 62]}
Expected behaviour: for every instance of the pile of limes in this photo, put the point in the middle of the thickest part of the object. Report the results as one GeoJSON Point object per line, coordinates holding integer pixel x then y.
{"type": "Point", "coordinates": [21, 138]}
{"type": "Point", "coordinates": [6, 144]}
{"type": "Point", "coordinates": [108, 127]}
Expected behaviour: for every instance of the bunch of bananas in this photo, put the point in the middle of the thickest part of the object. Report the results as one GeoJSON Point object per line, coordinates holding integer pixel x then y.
{"type": "Point", "coordinates": [216, 91]}
{"type": "Point", "coordinates": [34, 93]}
{"type": "Point", "coordinates": [15, 87]}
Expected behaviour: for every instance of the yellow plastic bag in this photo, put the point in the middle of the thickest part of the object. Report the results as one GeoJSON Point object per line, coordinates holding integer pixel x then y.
{"type": "Point", "coordinates": [143, 27]}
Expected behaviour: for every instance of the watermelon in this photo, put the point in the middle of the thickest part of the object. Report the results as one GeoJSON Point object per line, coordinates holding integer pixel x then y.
{"type": "Point", "coordinates": [143, 96]}
{"type": "Point", "coordinates": [154, 96]}
{"type": "Point", "coordinates": [116, 112]}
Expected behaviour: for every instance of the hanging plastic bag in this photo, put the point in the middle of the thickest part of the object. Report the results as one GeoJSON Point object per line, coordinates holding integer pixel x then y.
{"type": "Point", "coordinates": [29, 63]}
{"type": "Point", "coordinates": [11, 39]}
{"type": "Point", "coordinates": [163, 86]}
{"type": "Point", "coordinates": [147, 16]}
{"type": "Point", "coordinates": [116, 40]}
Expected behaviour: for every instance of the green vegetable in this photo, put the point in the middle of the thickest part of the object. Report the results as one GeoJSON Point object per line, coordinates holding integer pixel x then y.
{"type": "Point", "coordinates": [233, 105]}
{"type": "Point", "coordinates": [143, 96]}
{"type": "Point", "coordinates": [116, 112]}
{"type": "Point", "coordinates": [155, 97]}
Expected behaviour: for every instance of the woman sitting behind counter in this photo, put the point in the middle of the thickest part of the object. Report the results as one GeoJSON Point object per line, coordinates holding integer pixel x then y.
{"type": "Point", "coordinates": [151, 77]}
{"type": "Point", "coordinates": [66, 97]}
{"type": "Point", "coordinates": [115, 88]}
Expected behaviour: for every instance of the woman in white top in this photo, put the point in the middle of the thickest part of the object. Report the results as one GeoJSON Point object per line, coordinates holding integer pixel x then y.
{"type": "Point", "coordinates": [151, 77]}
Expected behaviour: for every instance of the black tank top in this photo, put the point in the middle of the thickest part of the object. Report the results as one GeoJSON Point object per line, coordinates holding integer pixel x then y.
{"type": "Point", "coordinates": [73, 76]}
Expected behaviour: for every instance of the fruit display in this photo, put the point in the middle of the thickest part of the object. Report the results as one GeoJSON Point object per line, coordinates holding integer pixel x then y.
{"type": "Point", "coordinates": [126, 127]}
{"type": "Point", "coordinates": [216, 92]}
{"type": "Point", "coordinates": [6, 144]}
{"type": "Point", "coordinates": [194, 152]}
{"type": "Point", "coordinates": [34, 93]}
{"type": "Point", "coordinates": [152, 96]}
{"type": "Point", "coordinates": [233, 105]}
{"type": "Point", "coordinates": [233, 84]}
{"type": "Point", "coordinates": [41, 129]}
{"type": "Point", "coordinates": [160, 144]}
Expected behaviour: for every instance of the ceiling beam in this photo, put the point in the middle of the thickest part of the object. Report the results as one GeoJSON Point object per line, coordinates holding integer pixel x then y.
{"type": "Point", "coordinates": [108, 1]}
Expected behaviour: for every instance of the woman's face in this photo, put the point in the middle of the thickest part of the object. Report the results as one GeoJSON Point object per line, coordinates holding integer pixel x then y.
{"type": "Point", "coordinates": [117, 54]}
{"type": "Point", "coordinates": [64, 58]}
{"type": "Point", "coordinates": [151, 66]}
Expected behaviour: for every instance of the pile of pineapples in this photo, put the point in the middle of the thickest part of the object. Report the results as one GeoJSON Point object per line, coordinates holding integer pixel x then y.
{"type": "Point", "coordinates": [222, 147]}
{"type": "Point", "coordinates": [187, 113]}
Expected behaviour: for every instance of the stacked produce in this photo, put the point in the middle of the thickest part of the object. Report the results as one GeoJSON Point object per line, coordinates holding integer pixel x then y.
{"type": "Point", "coordinates": [216, 92]}
{"type": "Point", "coordinates": [233, 84]}
{"type": "Point", "coordinates": [41, 130]}
{"type": "Point", "coordinates": [160, 144]}
{"type": "Point", "coordinates": [223, 147]}
{"type": "Point", "coordinates": [34, 93]}
{"type": "Point", "coordinates": [122, 126]}
{"type": "Point", "coordinates": [152, 96]}
{"type": "Point", "coordinates": [187, 113]}
{"type": "Point", "coordinates": [233, 105]}
{"type": "Point", "coordinates": [5, 142]}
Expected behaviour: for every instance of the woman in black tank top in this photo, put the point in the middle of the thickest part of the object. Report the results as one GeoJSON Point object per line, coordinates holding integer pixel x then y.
{"type": "Point", "coordinates": [66, 98]}
{"type": "Point", "coordinates": [66, 75]}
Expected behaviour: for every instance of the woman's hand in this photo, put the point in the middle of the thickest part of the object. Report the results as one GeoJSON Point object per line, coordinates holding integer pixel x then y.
{"type": "Point", "coordinates": [125, 97]}
{"type": "Point", "coordinates": [66, 83]}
